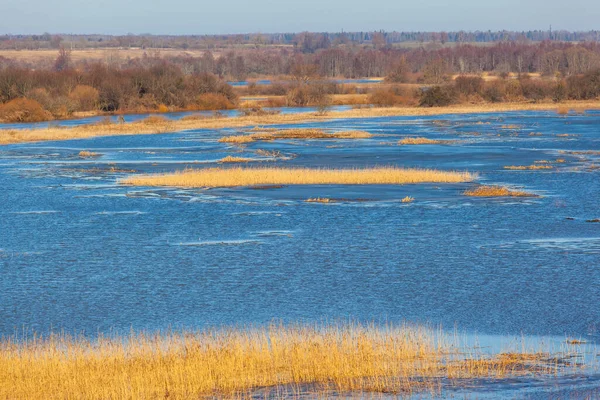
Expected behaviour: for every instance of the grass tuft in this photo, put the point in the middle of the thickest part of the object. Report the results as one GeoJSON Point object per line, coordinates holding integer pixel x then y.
{"type": "Point", "coordinates": [230, 177]}
{"type": "Point", "coordinates": [232, 159]}
{"type": "Point", "coordinates": [87, 154]}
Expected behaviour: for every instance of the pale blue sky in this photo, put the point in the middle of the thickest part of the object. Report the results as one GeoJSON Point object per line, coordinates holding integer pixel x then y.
{"type": "Point", "coordinates": [240, 16]}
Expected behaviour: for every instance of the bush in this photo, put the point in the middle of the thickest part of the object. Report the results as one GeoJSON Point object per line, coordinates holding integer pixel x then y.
{"type": "Point", "coordinates": [494, 92]}
{"type": "Point", "coordinates": [437, 96]}
{"type": "Point", "coordinates": [383, 98]}
{"type": "Point", "coordinates": [469, 85]}
{"type": "Point", "coordinates": [23, 110]}
{"type": "Point", "coordinates": [86, 97]}
{"type": "Point", "coordinates": [213, 101]}
{"type": "Point", "coordinates": [584, 87]}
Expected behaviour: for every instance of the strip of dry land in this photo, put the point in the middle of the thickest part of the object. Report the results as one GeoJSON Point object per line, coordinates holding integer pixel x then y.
{"type": "Point", "coordinates": [162, 125]}
{"type": "Point", "coordinates": [239, 363]}
{"type": "Point", "coordinates": [232, 177]}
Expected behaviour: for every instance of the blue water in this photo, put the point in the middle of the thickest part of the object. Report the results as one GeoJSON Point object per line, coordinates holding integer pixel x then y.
{"type": "Point", "coordinates": [81, 253]}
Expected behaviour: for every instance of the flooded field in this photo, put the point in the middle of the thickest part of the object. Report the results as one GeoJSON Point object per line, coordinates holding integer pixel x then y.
{"type": "Point", "coordinates": [80, 252]}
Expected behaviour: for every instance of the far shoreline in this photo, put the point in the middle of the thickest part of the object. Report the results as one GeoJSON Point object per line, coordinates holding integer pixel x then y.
{"type": "Point", "coordinates": [163, 125]}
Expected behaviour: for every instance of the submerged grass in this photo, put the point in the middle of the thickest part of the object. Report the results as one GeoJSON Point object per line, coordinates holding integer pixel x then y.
{"type": "Point", "coordinates": [294, 134]}
{"type": "Point", "coordinates": [338, 358]}
{"type": "Point", "coordinates": [528, 167]}
{"type": "Point", "coordinates": [496, 191]}
{"type": "Point", "coordinates": [230, 177]}
{"type": "Point", "coordinates": [420, 140]}
{"type": "Point", "coordinates": [163, 126]}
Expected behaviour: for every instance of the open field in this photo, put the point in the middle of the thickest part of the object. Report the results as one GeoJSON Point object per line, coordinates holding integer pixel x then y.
{"type": "Point", "coordinates": [100, 54]}
{"type": "Point", "coordinates": [291, 361]}
{"type": "Point", "coordinates": [165, 126]}
{"type": "Point", "coordinates": [231, 177]}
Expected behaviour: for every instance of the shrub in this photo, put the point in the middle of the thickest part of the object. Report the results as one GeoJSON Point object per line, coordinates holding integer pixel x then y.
{"type": "Point", "coordinates": [23, 110]}
{"type": "Point", "coordinates": [469, 85]}
{"type": "Point", "coordinates": [494, 92]}
{"type": "Point", "coordinates": [86, 97]}
{"type": "Point", "coordinates": [437, 96]}
{"type": "Point", "coordinates": [383, 98]}
{"type": "Point", "coordinates": [584, 87]}
{"type": "Point", "coordinates": [213, 101]}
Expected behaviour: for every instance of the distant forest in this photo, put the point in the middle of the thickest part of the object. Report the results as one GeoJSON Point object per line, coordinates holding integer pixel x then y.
{"type": "Point", "coordinates": [308, 42]}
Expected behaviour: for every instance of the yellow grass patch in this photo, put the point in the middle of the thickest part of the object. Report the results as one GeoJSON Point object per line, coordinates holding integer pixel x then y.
{"type": "Point", "coordinates": [294, 134]}
{"type": "Point", "coordinates": [420, 140]}
{"type": "Point", "coordinates": [408, 199]}
{"type": "Point", "coordinates": [230, 177]}
{"type": "Point", "coordinates": [496, 191]}
{"type": "Point", "coordinates": [232, 159]}
{"type": "Point", "coordinates": [139, 127]}
{"type": "Point", "coordinates": [240, 362]}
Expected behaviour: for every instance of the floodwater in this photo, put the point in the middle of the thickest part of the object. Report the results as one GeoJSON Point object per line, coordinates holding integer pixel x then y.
{"type": "Point", "coordinates": [81, 253]}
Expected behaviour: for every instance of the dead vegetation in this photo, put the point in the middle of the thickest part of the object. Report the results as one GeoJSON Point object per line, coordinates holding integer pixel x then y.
{"type": "Point", "coordinates": [242, 363]}
{"type": "Point", "coordinates": [288, 134]}
{"type": "Point", "coordinates": [231, 177]}
{"type": "Point", "coordinates": [528, 167]}
{"type": "Point", "coordinates": [496, 191]}
{"type": "Point", "coordinates": [421, 140]}
{"type": "Point", "coordinates": [88, 154]}
{"type": "Point", "coordinates": [233, 159]}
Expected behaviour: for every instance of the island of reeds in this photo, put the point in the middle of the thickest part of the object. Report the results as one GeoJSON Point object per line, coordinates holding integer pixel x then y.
{"type": "Point", "coordinates": [232, 177]}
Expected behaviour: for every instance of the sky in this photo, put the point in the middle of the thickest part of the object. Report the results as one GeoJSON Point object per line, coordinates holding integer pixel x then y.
{"type": "Point", "coordinates": [251, 16]}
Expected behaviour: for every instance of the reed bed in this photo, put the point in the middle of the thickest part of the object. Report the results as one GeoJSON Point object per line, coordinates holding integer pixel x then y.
{"type": "Point", "coordinates": [337, 358]}
{"type": "Point", "coordinates": [231, 177]}
{"type": "Point", "coordinates": [420, 140]}
{"type": "Point", "coordinates": [496, 191]}
{"type": "Point", "coordinates": [294, 134]}
{"type": "Point", "coordinates": [140, 127]}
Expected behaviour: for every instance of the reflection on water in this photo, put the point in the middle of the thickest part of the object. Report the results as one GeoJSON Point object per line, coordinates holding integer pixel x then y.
{"type": "Point", "coordinates": [81, 253]}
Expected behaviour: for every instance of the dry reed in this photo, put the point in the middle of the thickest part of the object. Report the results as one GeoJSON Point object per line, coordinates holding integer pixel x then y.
{"type": "Point", "coordinates": [230, 177]}
{"type": "Point", "coordinates": [87, 154]}
{"type": "Point", "coordinates": [139, 127]}
{"type": "Point", "coordinates": [233, 159]}
{"type": "Point", "coordinates": [527, 167]}
{"type": "Point", "coordinates": [496, 191]}
{"type": "Point", "coordinates": [340, 358]}
{"type": "Point", "coordinates": [294, 134]}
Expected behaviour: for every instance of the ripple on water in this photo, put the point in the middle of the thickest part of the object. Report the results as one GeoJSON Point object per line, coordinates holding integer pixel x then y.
{"type": "Point", "coordinates": [35, 212]}
{"type": "Point", "coordinates": [221, 243]}
{"type": "Point", "coordinates": [575, 245]}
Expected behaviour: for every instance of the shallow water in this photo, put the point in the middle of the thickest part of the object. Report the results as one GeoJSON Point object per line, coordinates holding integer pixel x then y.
{"type": "Point", "coordinates": [79, 252]}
